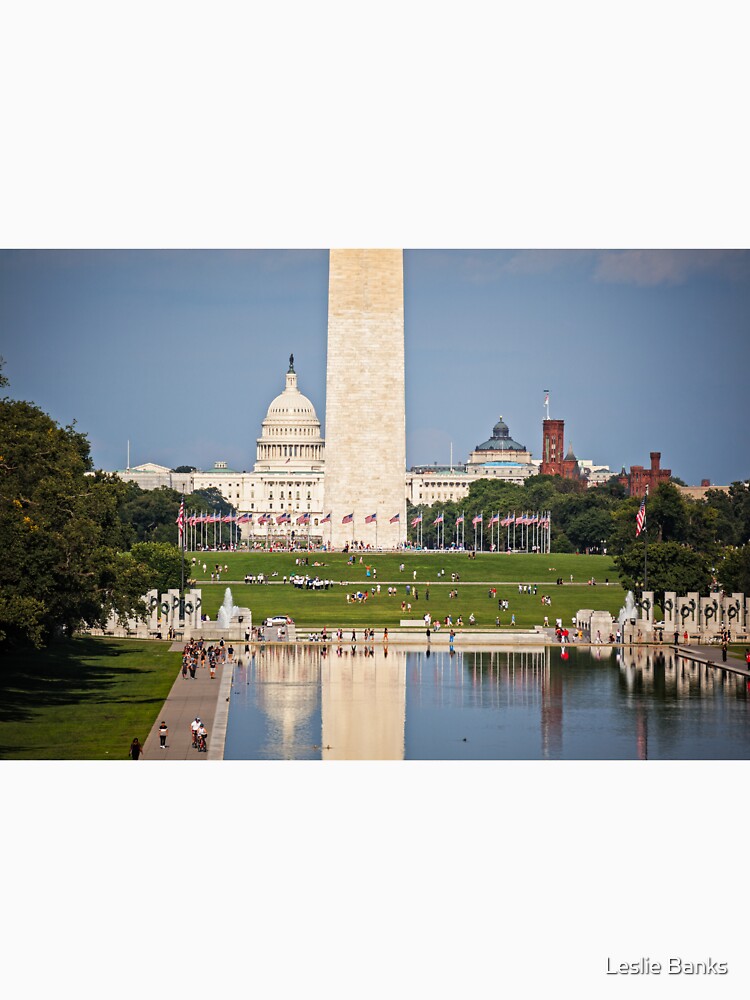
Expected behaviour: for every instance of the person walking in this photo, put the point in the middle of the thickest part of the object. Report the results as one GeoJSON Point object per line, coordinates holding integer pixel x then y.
{"type": "Point", "coordinates": [135, 749]}
{"type": "Point", "coordinates": [724, 646]}
{"type": "Point", "coordinates": [163, 731]}
{"type": "Point", "coordinates": [212, 669]}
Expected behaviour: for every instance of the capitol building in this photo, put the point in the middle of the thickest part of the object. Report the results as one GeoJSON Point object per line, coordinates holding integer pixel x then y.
{"type": "Point", "coordinates": [287, 480]}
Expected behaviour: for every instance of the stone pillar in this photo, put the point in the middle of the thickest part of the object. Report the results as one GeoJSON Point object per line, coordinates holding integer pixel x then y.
{"type": "Point", "coordinates": [688, 613]}
{"type": "Point", "coordinates": [365, 423]}
{"type": "Point", "coordinates": [647, 614]}
{"type": "Point", "coordinates": [193, 603]}
{"type": "Point", "coordinates": [670, 612]}
{"type": "Point", "coordinates": [152, 603]}
{"type": "Point", "coordinates": [738, 621]}
{"type": "Point", "coordinates": [711, 615]}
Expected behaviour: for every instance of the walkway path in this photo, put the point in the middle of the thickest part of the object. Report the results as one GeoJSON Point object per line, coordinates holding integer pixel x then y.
{"type": "Point", "coordinates": [187, 699]}
{"type": "Point", "coordinates": [712, 655]}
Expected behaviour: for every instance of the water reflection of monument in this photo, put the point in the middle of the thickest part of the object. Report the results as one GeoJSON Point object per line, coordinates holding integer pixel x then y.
{"type": "Point", "coordinates": [363, 700]}
{"type": "Point", "coordinates": [288, 692]}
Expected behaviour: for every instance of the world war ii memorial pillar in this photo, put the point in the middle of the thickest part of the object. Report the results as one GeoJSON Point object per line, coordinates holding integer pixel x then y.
{"type": "Point", "coordinates": [365, 429]}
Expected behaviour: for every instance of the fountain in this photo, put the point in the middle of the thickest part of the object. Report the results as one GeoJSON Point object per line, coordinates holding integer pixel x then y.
{"type": "Point", "coordinates": [629, 611]}
{"type": "Point", "coordinates": [227, 611]}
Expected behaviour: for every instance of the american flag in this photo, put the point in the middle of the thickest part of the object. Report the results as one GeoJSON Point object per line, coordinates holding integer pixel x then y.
{"type": "Point", "coordinates": [395, 518]}
{"type": "Point", "coordinates": [477, 519]}
{"type": "Point", "coordinates": [264, 519]}
{"type": "Point", "coordinates": [303, 519]}
{"type": "Point", "coordinates": [181, 518]}
{"type": "Point", "coordinates": [228, 518]}
{"type": "Point", "coordinates": [347, 519]}
{"type": "Point", "coordinates": [244, 518]}
{"type": "Point", "coordinates": [493, 520]}
{"type": "Point", "coordinates": [546, 396]}
{"type": "Point", "coordinates": [438, 519]}
{"type": "Point", "coordinates": [283, 518]}
{"type": "Point", "coordinates": [508, 520]}
{"type": "Point", "coordinates": [326, 518]}
{"type": "Point", "coordinates": [417, 520]}
{"type": "Point", "coordinates": [460, 519]}
{"type": "Point", "coordinates": [640, 520]}
{"type": "Point", "coordinates": [370, 518]}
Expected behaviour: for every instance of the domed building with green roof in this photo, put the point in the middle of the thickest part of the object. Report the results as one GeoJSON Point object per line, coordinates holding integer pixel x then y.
{"type": "Point", "coordinates": [502, 457]}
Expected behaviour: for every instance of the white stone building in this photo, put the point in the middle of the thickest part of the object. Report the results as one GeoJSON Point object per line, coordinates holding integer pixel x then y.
{"type": "Point", "coordinates": [287, 478]}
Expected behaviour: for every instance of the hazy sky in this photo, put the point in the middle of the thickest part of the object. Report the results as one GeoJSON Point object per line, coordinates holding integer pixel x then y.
{"type": "Point", "coordinates": [182, 351]}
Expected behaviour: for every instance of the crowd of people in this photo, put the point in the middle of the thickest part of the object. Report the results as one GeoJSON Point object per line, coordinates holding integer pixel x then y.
{"type": "Point", "coordinates": [196, 655]}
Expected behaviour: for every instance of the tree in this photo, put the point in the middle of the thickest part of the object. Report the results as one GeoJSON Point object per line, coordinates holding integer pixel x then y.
{"type": "Point", "coordinates": [60, 532]}
{"type": "Point", "coordinates": [150, 515]}
{"type": "Point", "coordinates": [670, 567]}
{"type": "Point", "coordinates": [161, 562]}
{"type": "Point", "coordinates": [589, 529]}
{"type": "Point", "coordinates": [667, 515]}
{"type": "Point", "coordinates": [185, 468]}
{"type": "Point", "coordinates": [734, 570]}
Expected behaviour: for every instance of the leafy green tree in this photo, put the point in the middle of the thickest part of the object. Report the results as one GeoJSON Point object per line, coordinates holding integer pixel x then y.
{"type": "Point", "coordinates": [162, 563]}
{"type": "Point", "coordinates": [670, 567]}
{"type": "Point", "coordinates": [590, 528]}
{"type": "Point", "coordinates": [667, 515]}
{"type": "Point", "coordinates": [734, 570]}
{"type": "Point", "coordinates": [739, 494]}
{"type": "Point", "coordinates": [60, 532]}
{"type": "Point", "coordinates": [150, 515]}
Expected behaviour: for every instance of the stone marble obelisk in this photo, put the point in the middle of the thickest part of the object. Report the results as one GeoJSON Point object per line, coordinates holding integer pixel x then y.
{"type": "Point", "coordinates": [365, 429]}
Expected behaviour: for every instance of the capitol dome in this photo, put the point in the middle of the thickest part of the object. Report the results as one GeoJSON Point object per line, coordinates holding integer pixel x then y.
{"type": "Point", "coordinates": [290, 433]}
{"type": "Point", "coordinates": [500, 440]}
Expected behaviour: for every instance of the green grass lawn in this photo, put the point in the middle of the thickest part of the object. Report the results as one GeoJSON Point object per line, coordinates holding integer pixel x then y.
{"type": "Point", "coordinates": [84, 700]}
{"type": "Point", "coordinates": [313, 609]}
{"type": "Point", "coordinates": [487, 567]}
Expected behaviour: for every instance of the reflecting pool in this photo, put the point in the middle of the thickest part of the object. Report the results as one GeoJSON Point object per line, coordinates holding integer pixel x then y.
{"type": "Point", "coordinates": [370, 703]}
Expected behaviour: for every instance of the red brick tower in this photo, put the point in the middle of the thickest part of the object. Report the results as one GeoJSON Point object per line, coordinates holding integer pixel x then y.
{"type": "Point", "coordinates": [553, 432]}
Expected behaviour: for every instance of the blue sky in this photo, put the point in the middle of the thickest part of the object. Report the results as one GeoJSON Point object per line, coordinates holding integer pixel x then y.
{"type": "Point", "coordinates": [181, 351]}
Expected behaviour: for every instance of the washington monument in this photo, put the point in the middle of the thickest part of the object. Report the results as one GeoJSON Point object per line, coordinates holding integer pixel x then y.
{"type": "Point", "coordinates": [365, 429]}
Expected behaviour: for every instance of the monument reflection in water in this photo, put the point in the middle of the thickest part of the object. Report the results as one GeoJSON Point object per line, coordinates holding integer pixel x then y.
{"type": "Point", "coordinates": [357, 703]}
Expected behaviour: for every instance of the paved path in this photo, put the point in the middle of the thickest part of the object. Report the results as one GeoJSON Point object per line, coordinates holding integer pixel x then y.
{"type": "Point", "coordinates": [712, 655]}
{"type": "Point", "coordinates": [187, 699]}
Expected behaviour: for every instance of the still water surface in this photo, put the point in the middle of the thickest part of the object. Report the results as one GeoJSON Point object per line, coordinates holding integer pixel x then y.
{"type": "Point", "coordinates": [309, 703]}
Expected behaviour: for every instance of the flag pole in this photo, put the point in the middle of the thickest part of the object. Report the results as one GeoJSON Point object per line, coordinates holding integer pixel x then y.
{"type": "Point", "coordinates": [182, 544]}
{"type": "Point", "coordinates": [645, 548]}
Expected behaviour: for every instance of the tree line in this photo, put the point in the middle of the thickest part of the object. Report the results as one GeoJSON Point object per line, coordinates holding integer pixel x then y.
{"type": "Point", "coordinates": [77, 544]}
{"type": "Point", "coordinates": [693, 545]}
